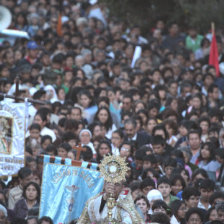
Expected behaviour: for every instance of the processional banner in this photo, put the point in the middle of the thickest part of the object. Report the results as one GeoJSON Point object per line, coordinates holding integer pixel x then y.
{"type": "Point", "coordinates": [12, 137]}
{"type": "Point", "coordinates": [66, 188]}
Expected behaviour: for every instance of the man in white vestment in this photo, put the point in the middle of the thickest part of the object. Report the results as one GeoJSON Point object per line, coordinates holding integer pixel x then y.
{"type": "Point", "coordinates": [96, 210]}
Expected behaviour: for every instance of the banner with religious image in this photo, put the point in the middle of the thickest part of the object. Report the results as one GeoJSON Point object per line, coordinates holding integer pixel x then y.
{"type": "Point", "coordinates": [65, 190]}
{"type": "Point", "coordinates": [12, 137]}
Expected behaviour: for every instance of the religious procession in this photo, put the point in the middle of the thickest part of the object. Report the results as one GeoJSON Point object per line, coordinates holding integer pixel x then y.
{"type": "Point", "coordinates": [111, 112]}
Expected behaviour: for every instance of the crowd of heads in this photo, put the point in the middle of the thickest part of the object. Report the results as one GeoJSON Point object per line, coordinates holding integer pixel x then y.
{"type": "Point", "coordinates": [163, 112]}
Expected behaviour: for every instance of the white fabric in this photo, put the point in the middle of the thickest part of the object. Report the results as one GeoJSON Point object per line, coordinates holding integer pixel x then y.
{"type": "Point", "coordinates": [115, 150]}
{"type": "Point", "coordinates": [110, 131]}
{"type": "Point", "coordinates": [12, 136]}
{"type": "Point", "coordinates": [173, 220]}
{"type": "Point", "coordinates": [154, 195]}
{"type": "Point", "coordinates": [85, 130]}
{"type": "Point", "coordinates": [51, 91]}
{"type": "Point", "coordinates": [95, 205]}
{"type": "Point", "coordinates": [47, 131]}
{"type": "Point", "coordinates": [3, 209]}
{"type": "Point", "coordinates": [200, 205]}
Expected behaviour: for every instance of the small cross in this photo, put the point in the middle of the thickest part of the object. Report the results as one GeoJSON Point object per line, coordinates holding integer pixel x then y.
{"type": "Point", "coordinates": [79, 149]}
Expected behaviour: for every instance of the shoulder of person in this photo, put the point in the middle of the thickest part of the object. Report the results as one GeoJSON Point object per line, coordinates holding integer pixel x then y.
{"type": "Point", "coordinates": [15, 190]}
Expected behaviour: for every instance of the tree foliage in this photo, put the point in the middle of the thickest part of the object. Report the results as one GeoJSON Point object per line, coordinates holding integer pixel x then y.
{"type": "Point", "coordinates": [197, 13]}
{"type": "Point", "coordinates": [200, 13]}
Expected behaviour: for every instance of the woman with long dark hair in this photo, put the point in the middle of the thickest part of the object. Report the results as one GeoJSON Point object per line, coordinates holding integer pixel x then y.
{"type": "Point", "coordinates": [104, 117]}
{"type": "Point", "coordinates": [103, 149]}
{"type": "Point", "coordinates": [29, 204]}
{"type": "Point", "coordinates": [178, 209]}
{"type": "Point", "coordinates": [206, 159]}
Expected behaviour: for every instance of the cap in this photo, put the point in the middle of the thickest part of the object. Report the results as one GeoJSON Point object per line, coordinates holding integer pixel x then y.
{"type": "Point", "coordinates": [32, 45]}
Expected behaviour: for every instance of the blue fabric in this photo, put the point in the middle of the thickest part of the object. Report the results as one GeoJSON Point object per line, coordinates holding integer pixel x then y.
{"type": "Point", "coordinates": [65, 190]}
{"type": "Point", "coordinates": [179, 195]}
{"type": "Point", "coordinates": [57, 160]}
{"type": "Point", "coordinates": [84, 164]}
{"type": "Point", "coordinates": [94, 166]}
{"type": "Point", "coordinates": [68, 161]}
{"type": "Point", "coordinates": [46, 159]}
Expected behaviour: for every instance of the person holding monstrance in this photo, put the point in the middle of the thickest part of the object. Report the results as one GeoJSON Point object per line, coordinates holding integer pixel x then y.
{"type": "Point", "coordinates": [114, 205]}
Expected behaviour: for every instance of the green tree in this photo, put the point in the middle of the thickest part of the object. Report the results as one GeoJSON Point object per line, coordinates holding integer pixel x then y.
{"type": "Point", "coordinates": [197, 13]}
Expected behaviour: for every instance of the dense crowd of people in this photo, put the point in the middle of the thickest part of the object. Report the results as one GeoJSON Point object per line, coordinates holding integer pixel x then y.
{"type": "Point", "coordinates": [163, 112]}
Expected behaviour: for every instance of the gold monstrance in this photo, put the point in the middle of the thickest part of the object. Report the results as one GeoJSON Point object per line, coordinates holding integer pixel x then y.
{"type": "Point", "coordinates": [113, 169]}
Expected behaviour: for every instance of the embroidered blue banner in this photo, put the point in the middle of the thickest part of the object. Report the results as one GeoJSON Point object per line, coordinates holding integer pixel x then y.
{"type": "Point", "coordinates": [65, 190]}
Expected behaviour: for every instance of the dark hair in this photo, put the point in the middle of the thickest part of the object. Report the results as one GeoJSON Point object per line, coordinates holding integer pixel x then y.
{"type": "Point", "coordinates": [108, 124]}
{"type": "Point", "coordinates": [104, 141]}
{"type": "Point", "coordinates": [204, 118]}
{"type": "Point", "coordinates": [220, 206]}
{"type": "Point", "coordinates": [152, 118]}
{"type": "Point", "coordinates": [172, 124]}
{"type": "Point", "coordinates": [163, 180]}
{"type": "Point", "coordinates": [158, 140]}
{"type": "Point", "coordinates": [175, 205]}
{"type": "Point", "coordinates": [220, 152]}
{"type": "Point", "coordinates": [44, 138]}
{"type": "Point", "coordinates": [199, 171]}
{"type": "Point", "coordinates": [36, 187]}
{"type": "Point", "coordinates": [147, 182]}
{"type": "Point", "coordinates": [4, 197]}
{"type": "Point", "coordinates": [194, 132]}
{"type": "Point", "coordinates": [179, 170]}
{"type": "Point", "coordinates": [208, 213]}
{"type": "Point", "coordinates": [153, 171]}
{"type": "Point", "coordinates": [30, 159]}
{"type": "Point", "coordinates": [45, 218]}
{"type": "Point", "coordinates": [24, 172]}
{"type": "Point", "coordinates": [103, 99]}
{"type": "Point", "coordinates": [160, 127]}
{"type": "Point", "coordinates": [207, 184]}
{"type": "Point", "coordinates": [135, 185]}
{"type": "Point", "coordinates": [51, 148]}
{"type": "Point", "coordinates": [65, 146]}
{"type": "Point", "coordinates": [161, 204]}
{"type": "Point", "coordinates": [86, 93]}
{"type": "Point", "coordinates": [151, 158]}
{"type": "Point", "coordinates": [175, 178]}
{"type": "Point", "coordinates": [67, 136]}
{"type": "Point", "coordinates": [88, 154]}
{"type": "Point", "coordinates": [93, 125]}
{"type": "Point", "coordinates": [170, 162]}
{"type": "Point", "coordinates": [144, 198]}
{"type": "Point", "coordinates": [188, 192]}
{"type": "Point", "coordinates": [119, 132]}
{"type": "Point", "coordinates": [76, 108]}
{"type": "Point", "coordinates": [35, 126]}
{"type": "Point", "coordinates": [160, 217]}
{"type": "Point", "coordinates": [71, 124]}
{"type": "Point", "coordinates": [212, 87]}
{"type": "Point", "coordinates": [215, 195]}
{"type": "Point", "coordinates": [210, 148]}
{"type": "Point", "coordinates": [194, 211]}
{"type": "Point", "coordinates": [43, 112]}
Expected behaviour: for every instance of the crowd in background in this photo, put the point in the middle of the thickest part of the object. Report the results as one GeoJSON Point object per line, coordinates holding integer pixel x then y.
{"type": "Point", "coordinates": [163, 112]}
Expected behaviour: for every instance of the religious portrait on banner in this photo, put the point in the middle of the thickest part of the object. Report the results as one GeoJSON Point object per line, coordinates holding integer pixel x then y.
{"type": "Point", "coordinates": [5, 134]}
